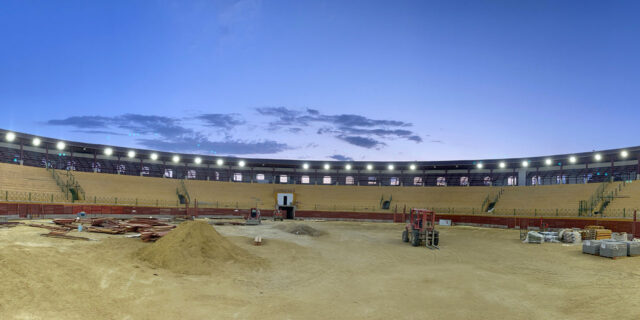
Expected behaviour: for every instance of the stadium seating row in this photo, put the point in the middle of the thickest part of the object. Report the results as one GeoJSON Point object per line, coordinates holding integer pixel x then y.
{"type": "Point", "coordinates": [122, 189]}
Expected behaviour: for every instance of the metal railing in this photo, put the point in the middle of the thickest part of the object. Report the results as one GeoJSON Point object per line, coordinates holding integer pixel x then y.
{"type": "Point", "coordinates": [35, 197]}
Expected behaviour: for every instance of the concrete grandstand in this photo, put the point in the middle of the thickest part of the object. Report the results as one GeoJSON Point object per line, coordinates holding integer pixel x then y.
{"type": "Point", "coordinates": [590, 185]}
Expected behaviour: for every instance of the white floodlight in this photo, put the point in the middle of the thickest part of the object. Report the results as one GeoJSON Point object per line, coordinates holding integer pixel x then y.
{"type": "Point", "coordinates": [412, 167]}
{"type": "Point", "coordinates": [390, 167]}
{"type": "Point", "coordinates": [10, 136]}
{"type": "Point", "coordinates": [241, 163]}
{"type": "Point", "coordinates": [108, 151]}
{"type": "Point", "coordinates": [525, 163]}
{"type": "Point", "coordinates": [35, 142]}
{"type": "Point", "coordinates": [624, 153]}
{"type": "Point", "coordinates": [369, 167]}
{"type": "Point", "coordinates": [154, 156]}
{"type": "Point", "coordinates": [197, 160]}
{"type": "Point", "coordinates": [597, 156]}
{"type": "Point", "coordinates": [502, 165]}
{"type": "Point", "coordinates": [219, 162]}
{"type": "Point", "coordinates": [305, 166]}
{"type": "Point", "coordinates": [131, 154]}
{"type": "Point", "coordinates": [60, 145]}
{"type": "Point", "coordinates": [573, 159]}
{"type": "Point", "coordinates": [348, 167]}
{"type": "Point", "coordinates": [479, 165]}
{"type": "Point", "coordinates": [548, 161]}
{"type": "Point", "coordinates": [327, 166]}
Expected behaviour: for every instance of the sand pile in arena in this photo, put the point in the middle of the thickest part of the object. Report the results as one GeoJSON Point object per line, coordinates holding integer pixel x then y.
{"type": "Point", "coordinates": [195, 247]}
{"type": "Point", "coordinates": [300, 229]}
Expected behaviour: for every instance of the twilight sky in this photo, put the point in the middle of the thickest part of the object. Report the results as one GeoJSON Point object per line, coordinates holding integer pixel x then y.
{"type": "Point", "coordinates": [362, 80]}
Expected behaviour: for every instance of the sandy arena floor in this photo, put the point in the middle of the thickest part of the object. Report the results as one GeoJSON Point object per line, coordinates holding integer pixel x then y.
{"type": "Point", "coordinates": [356, 271]}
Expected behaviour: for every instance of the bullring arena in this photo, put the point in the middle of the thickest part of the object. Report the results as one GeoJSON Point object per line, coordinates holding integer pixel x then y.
{"type": "Point", "coordinates": [103, 232]}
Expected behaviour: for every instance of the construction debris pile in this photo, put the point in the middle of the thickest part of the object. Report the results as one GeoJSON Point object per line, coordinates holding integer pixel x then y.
{"type": "Point", "coordinates": [148, 229]}
{"type": "Point", "coordinates": [195, 247]}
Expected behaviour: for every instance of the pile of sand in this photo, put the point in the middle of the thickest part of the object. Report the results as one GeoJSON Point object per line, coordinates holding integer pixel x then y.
{"type": "Point", "coordinates": [195, 247]}
{"type": "Point", "coordinates": [300, 229]}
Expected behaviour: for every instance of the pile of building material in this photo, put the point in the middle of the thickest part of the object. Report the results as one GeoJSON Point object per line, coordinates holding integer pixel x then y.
{"type": "Point", "coordinates": [595, 233]}
{"type": "Point", "coordinates": [591, 247]}
{"type": "Point", "coordinates": [150, 229]}
{"type": "Point", "coordinates": [619, 236]}
{"type": "Point", "coordinates": [633, 248]}
{"type": "Point", "coordinates": [569, 236]}
{"type": "Point", "coordinates": [534, 237]}
{"type": "Point", "coordinates": [613, 249]}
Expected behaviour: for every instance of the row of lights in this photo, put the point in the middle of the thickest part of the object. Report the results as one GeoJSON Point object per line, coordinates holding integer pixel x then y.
{"type": "Point", "coordinates": [348, 167]}
{"type": "Point", "coordinates": [549, 161]}
{"type": "Point", "coordinates": [10, 136]}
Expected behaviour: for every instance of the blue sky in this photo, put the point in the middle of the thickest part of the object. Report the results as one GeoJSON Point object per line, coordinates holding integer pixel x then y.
{"type": "Point", "coordinates": [374, 80]}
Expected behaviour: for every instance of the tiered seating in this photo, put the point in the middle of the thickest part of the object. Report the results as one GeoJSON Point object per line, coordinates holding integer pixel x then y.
{"type": "Point", "coordinates": [626, 201]}
{"type": "Point", "coordinates": [122, 189]}
{"type": "Point", "coordinates": [544, 200]}
{"type": "Point", "coordinates": [19, 181]}
{"type": "Point", "coordinates": [361, 198]}
{"type": "Point", "coordinates": [231, 195]}
{"type": "Point", "coordinates": [443, 199]}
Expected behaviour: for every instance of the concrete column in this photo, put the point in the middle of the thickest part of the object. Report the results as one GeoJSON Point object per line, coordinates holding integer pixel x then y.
{"type": "Point", "coordinates": [522, 176]}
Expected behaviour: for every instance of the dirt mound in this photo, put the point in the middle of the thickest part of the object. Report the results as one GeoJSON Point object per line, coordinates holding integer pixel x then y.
{"type": "Point", "coordinates": [300, 229]}
{"type": "Point", "coordinates": [195, 247]}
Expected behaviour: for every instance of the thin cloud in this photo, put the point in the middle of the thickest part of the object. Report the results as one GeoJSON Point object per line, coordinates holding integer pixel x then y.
{"type": "Point", "coordinates": [222, 121]}
{"type": "Point", "coordinates": [340, 157]}
{"type": "Point", "coordinates": [354, 129]}
{"type": "Point", "coordinates": [164, 133]}
{"type": "Point", "coordinates": [364, 142]}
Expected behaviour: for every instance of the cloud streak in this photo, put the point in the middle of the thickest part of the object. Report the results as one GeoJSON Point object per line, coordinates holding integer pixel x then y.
{"type": "Point", "coordinates": [158, 132]}
{"type": "Point", "coordinates": [354, 129]}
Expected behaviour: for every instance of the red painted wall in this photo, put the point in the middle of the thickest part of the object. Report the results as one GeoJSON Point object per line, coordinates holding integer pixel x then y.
{"type": "Point", "coordinates": [36, 210]}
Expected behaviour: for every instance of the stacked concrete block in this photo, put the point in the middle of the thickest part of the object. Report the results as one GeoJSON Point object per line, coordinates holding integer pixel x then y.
{"type": "Point", "coordinates": [612, 249]}
{"type": "Point", "coordinates": [591, 246]}
{"type": "Point", "coordinates": [633, 248]}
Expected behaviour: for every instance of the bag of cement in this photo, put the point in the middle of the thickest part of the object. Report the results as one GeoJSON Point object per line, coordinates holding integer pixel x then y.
{"type": "Point", "coordinates": [612, 249]}
{"type": "Point", "coordinates": [633, 248]}
{"type": "Point", "coordinates": [561, 233]}
{"type": "Point", "coordinates": [571, 237]}
{"type": "Point", "coordinates": [534, 237]}
{"type": "Point", "coordinates": [550, 236]}
{"type": "Point", "coordinates": [619, 236]}
{"type": "Point", "coordinates": [591, 246]}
